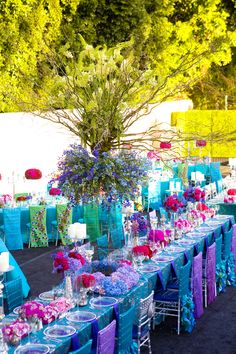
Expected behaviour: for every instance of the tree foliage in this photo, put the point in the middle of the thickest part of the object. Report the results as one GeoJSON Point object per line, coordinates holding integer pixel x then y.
{"type": "Point", "coordinates": [134, 53]}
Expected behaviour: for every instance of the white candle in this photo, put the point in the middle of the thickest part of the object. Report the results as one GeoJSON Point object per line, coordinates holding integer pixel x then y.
{"type": "Point", "coordinates": [77, 231]}
{"type": "Point", "coordinates": [4, 261]}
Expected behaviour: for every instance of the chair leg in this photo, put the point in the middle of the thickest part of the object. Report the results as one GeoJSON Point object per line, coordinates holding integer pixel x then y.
{"type": "Point", "coordinates": [149, 344]}
{"type": "Point", "coordinates": [179, 314]}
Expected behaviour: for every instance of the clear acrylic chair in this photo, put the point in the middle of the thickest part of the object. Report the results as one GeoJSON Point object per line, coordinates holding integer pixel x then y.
{"type": "Point", "coordinates": [209, 275]}
{"type": "Point", "coordinates": [142, 325]}
{"type": "Point", "coordinates": [85, 349]}
{"type": "Point", "coordinates": [14, 293]}
{"type": "Point", "coordinates": [168, 302]}
{"type": "Point", "coordinates": [106, 339]}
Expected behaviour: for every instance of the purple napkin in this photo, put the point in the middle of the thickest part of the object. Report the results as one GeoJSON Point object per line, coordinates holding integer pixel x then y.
{"type": "Point", "coordinates": [74, 344]}
{"type": "Point", "coordinates": [160, 280]}
{"type": "Point", "coordinates": [94, 332]}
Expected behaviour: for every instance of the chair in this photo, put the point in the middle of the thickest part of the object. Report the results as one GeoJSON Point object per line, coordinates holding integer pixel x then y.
{"type": "Point", "coordinates": [116, 237]}
{"type": "Point", "coordinates": [11, 228]}
{"type": "Point", "coordinates": [124, 338]}
{"type": "Point", "coordinates": [106, 339]}
{"type": "Point", "coordinates": [142, 326]}
{"type": "Point", "coordinates": [221, 276]}
{"type": "Point", "coordinates": [37, 227]}
{"type": "Point", "coordinates": [64, 219]}
{"type": "Point", "coordinates": [168, 302]}
{"type": "Point", "coordinates": [233, 245]}
{"type": "Point", "coordinates": [226, 246]}
{"type": "Point", "coordinates": [209, 275]}
{"type": "Point", "coordinates": [14, 293]}
{"type": "Point", "coordinates": [85, 349]}
{"type": "Point", "coordinates": [196, 285]}
{"type": "Point", "coordinates": [103, 249]}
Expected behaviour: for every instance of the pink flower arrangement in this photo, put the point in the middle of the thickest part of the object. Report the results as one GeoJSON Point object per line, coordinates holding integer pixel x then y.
{"type": "Point", "coordinates": [64, 261]}
{"type": "Point", "coordinates": [123, 262]}
{"type": "Point", "coordinates": [153, 155]}
{"type": "Point", "coordinates": [33, 173]}
{"type": "Point", "coordinates": [60, 305]}
{"type": "Point", "coordinates": [85, 280]}
{"type": "Point", "coordinates": [183, 224]}
{"type": "Point", "coordinates": [194, 194]}
{"type": "Point", "coordinates": [173, 203]}
{"type": "Point", "coordinates": [165, 145]}
{"type": "Point", "coordinates": [6, 198]}
{"type": "Point", "coordinates": [159, 235]}
{"type": "Point", "coordinates": [32, 309]}
{"type": "Point", "coordinates": [229, 200]}
{"type": "Point", "coordinates": [204, 208]}
{"type": "Point", "coordinates": [231, 191]}
{"type": "Point", "coordinates": [142, 251]}
{"type": "Point", "coordinates": [201, 143]}
{"type": "Point", "coordinates": [54, 191]}
{"type": "Point", "coordinates": [13, 332]}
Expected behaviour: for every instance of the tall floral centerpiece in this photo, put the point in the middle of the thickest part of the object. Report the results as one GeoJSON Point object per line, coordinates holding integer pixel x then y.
{"type": "Point", "coordinates": [100, 178]}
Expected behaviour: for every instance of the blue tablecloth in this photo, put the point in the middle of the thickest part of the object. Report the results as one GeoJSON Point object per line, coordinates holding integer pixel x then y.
{"type": "Point", "coordinates": [148, 281]}
{"type": "Point", "coordinates": [16, 272]}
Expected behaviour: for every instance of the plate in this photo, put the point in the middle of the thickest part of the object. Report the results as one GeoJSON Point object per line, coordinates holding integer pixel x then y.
{"type": "Point", "coordinates": [163, 259]}
{"type": "Point", "coordinates": [148, 268]}
{"type": "Point", "coordinates": [222, 216]}
{"type": "Point", "coordinates": [34, 348]}
{"type": "Point", "coordinates": [80, 316]}
{"type": "Point", "coordinates": [205, 228]}
{"type": "Point", "coordinates": [196, 234]}
{"type": "Point", "coordinates": [59, 331]}
{"type": "Point", "coordinates": [101, 301]}
{"type": "Point", "coordinates": [174, 249]}
{"type": "Point", "coordinates": [47, 296]}
{"type": "Point", "coordinates": [186, 242]}
{"type": "Point", "coordinates": [16, 310]}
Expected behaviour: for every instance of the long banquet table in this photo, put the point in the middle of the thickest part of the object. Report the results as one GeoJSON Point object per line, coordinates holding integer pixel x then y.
{"type": "Point", "coordinates": [148, 281]}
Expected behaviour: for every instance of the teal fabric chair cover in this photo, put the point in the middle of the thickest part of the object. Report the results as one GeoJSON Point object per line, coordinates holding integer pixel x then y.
{"type": "Point", "coordinates": [91, 219]}
{"type": "Point", "coordinates": [85, 349]}
{"type": "Point", "coordinates": [124, 340]}
{"type": "Point", "coordinates": [103, 249]}
{"type": "Point", "coordinates": [227, 244]}
{"type": "Point", "coordinates": [116, 237]}
{"type": "Point", "coordinates": [12, 229]}
{"type": "Point", "coordinates": [13, 293]}
{"type": "Point", "coordinates": [16, 272]}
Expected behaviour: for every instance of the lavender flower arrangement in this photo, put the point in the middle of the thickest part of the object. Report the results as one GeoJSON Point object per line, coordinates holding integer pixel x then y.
{"type": "Point", "coordinates": [142, 222]}
{"type": "Point", "coordinates": [109, 176]}
{"type": "Point", "coordinates": [112, 278]}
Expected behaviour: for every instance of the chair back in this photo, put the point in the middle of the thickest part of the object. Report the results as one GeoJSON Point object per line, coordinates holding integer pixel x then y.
{"type": "Point", "coordinates": [145, 310]}
{"type": "Point", "coordinates": [106, 339]}
{"type": "Point", "coordinates": [38, 227]}
{"type": "Point", "coordinates": [125, 328]}
{"type": "Point", "coordinates": [116, 237]}
{"type": "Point", "coordinates": [91, 219]}
{"type": "Point", "coordinates": [14, 293]}
{"type": "Point", "coordinates": [227, 244]}
{"type": "Point", "coordinates": [184, 279]}
{"type": "Point", "coordinates": [64, 219]}
{"type": "Point", "coordinates": [85, 349]}
{"type": "Point", "coordinates": [196, 285]}
{"type": "Point", "coordinates": [233, 245]}
{"type": "Point", "coordinates": [211, 273]}
{"type": "Point", "coordinates": [218, 242]}
{"type": "Point", "coordinates": [12, 228]}
{"type": "Point", "coordinates": [102, 241]}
